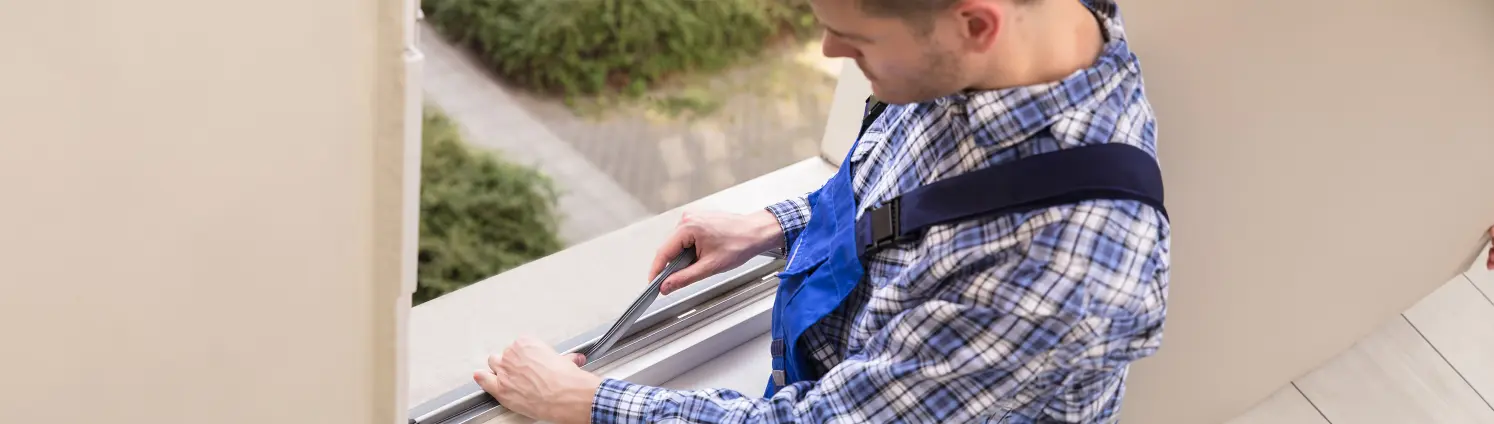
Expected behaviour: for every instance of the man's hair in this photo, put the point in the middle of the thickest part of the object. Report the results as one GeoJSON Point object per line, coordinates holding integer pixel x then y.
{"type": "Point", "coordinates": [905, 8]}
{"type": "Point", "coordinates": [918, 13]}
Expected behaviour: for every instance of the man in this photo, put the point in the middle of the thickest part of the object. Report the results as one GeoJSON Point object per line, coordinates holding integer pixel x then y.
{"type": "Point", "coordinates": [1029, 315]}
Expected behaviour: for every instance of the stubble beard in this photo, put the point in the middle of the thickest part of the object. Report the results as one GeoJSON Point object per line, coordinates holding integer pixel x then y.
{"type": "Point", "coordinates": [936, 77]}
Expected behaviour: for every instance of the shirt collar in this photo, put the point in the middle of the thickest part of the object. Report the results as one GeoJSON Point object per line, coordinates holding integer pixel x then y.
{"type": "Point", "coordinates": [1010, 115]}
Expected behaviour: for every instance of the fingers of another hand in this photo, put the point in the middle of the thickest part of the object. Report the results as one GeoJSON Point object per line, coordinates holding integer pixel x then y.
{"type": "Point", "coordinates": [578, 358]}
{"type": "Point", "coordinates": [515, 352]}
{"type": "Point", "coordinates": [683, 236]}
{"type": "Point", "coordinates": [494, 361]}
{"type": "Point", "coordinates": [685, 277]}
{"type": "Point", "coordinates": [487, 380]}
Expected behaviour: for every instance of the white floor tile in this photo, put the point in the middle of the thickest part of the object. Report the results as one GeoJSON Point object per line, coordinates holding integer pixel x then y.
{"type": "Point", "coordinates": [1286, 406]}
{"type": "Point", "coordinates": [1459, 322]}
{"type": "Point", "coordinates": [1393, 377]}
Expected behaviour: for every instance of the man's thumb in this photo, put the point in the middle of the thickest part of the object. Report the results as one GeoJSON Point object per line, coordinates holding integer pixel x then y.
{"type": "Point", "coordinates": [486, 379]}
{"type": "Point", "coordinates": [681, 279]}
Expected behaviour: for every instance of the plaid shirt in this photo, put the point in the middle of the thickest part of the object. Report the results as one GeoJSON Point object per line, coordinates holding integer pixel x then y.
{"type": "Point", "coordinates": [1025, 318]}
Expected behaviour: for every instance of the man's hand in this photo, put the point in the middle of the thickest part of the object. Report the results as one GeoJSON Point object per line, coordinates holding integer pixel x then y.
{"type": "Point", "coordinates": [722, 241]}
{"type": "Point", "coordinates": [1490, 265]}
{"type": "Point", "coordinates": [531, 378]}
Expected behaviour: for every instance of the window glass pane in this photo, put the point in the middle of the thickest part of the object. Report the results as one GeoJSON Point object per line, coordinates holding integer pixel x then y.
{"type": "Point", "coordinates": [533, 150]}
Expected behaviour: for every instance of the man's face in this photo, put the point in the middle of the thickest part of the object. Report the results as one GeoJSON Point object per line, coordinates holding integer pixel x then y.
{"type": "Point", "coordinates": [905, 64]}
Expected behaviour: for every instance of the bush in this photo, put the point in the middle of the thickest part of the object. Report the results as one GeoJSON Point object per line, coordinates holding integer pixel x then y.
{"type": "Point", "coordinates": [479, 215]}
{"type": "Point", "coordinates": [587, 46]}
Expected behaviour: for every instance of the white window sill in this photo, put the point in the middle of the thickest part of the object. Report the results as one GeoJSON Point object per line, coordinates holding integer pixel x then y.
{"type": "Point", "coordinates": [579, 289]}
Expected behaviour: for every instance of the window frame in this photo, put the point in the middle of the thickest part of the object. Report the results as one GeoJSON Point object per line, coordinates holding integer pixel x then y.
{"type": "Point", "coordinates": [699, 306]}
{"type": "Point", "coordinates": [674, 337]}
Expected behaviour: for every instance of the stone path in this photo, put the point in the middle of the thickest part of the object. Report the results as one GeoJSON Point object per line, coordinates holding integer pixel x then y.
{"type": "Point", "coordinates": [591, 202]}
{"type": "Point", "coordinates": [636, 159]}
{"type": "Point", "coordinates": [767, 115]}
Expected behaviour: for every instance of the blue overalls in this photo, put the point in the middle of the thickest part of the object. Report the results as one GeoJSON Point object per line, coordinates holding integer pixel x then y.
{"type": "Point", "coordinates": [824, 263]}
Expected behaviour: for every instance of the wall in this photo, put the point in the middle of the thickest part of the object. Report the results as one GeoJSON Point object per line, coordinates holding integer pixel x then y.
{"type": "Point", "coordinates": [189, 230]}
{"type": "Point", "coordinates": [1328, 164]}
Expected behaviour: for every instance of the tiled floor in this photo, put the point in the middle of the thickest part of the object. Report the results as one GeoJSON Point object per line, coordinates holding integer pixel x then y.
{"type": "Point", "coordinates": [1432, 365]}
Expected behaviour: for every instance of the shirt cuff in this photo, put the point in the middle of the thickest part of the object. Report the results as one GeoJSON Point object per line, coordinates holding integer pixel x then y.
{"type": "Point", "coordinates": [619, 401]}
{"type": "Point", "coordinates": [792, 216]}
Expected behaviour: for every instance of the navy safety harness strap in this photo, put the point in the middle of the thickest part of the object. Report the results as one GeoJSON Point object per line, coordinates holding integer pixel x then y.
{"type": "Point", "coordinates": [1102, 171]}
{"type": "Point", "coordinates": [1106, 171]}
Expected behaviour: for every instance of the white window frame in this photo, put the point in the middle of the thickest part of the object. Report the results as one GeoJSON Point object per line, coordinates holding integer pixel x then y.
{"type": "Point", "coordinates": [667, 334]}
{"type": "Point", "coordinates": [724, 312]}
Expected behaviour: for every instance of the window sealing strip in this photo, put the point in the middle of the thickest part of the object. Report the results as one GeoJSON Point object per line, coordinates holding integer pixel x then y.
{"type": "Point", "coordinates": [662, 322]}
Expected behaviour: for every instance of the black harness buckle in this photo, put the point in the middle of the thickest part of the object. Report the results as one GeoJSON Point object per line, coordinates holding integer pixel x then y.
{"type": "Point", "coordinates": [884, 225]}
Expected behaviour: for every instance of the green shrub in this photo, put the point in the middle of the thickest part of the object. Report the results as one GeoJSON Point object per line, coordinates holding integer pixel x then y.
{"type": "Point", "coordinates": [587, 46]}
{"type": "Point", "coordinates": [479, 215]}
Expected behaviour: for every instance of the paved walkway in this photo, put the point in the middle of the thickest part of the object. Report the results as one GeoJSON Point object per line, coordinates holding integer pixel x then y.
{"type": "Point", "coordinates": [767, 115]}
{"type": "Point", "coordinates": [637, 160]}
{"type": "Point", "coordinates": [591, 202]}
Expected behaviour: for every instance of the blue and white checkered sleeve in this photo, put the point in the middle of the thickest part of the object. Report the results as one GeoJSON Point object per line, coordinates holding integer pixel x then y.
{"type": "Point", "coordinates": [793, 216]}
{"type": "Point", "coordinates": [1006, 302]}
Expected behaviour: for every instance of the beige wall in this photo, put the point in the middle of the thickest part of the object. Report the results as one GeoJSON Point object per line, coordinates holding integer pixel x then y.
{"type": "Point", "coordinates": [201, 215]}
{"type": "Point", "coordinates": [1328, 164]}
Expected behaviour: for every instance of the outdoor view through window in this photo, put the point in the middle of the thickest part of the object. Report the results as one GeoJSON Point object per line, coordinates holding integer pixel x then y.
{"type": "Point", "coordinates": [529, 148]}
{"type": "Point", "coordinates": [532, 146]}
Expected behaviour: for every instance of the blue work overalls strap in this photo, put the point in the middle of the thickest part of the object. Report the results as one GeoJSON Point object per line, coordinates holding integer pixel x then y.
{"type": "Point", "coordinates": [1098, 171]}
{"type": "Point", "coordinates": [825, 261]}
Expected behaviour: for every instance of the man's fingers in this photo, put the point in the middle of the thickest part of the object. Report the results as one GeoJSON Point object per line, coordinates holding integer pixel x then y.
{"type": "Point", "coordinates": [671, 248]}
{"type": "Point", "coordinates": [493, 361]}
{"type": "Point", "coordinates": [578, 358]}
{"type": "Point", "coordinates": [487, 380]}
{"type": "Point", "coordinates": [682, 278]}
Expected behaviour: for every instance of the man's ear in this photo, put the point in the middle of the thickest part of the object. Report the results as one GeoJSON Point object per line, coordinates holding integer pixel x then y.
{"type": "Point", "coordinates": [979, 23]}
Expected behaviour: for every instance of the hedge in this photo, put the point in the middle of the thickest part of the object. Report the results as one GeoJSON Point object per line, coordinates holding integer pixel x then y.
{"type": "Point", "coordinates": [589, 46]}
{"type": "Point", "coordinates": [479, 215]}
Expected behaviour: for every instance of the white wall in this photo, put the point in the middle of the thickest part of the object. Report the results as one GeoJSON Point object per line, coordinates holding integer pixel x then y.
{"type": "Point", "coordinates": [202, 211]}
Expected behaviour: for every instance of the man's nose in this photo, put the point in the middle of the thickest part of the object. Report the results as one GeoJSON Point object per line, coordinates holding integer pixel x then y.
{"type": "Point", "coordinates": [832, 47]}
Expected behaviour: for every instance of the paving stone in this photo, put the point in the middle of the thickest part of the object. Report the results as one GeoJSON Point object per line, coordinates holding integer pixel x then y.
{"type": "Point", "coordinates": [712, 141]}
{"type": "Point", "coordinates": [677, 162]}
{"type": "Point", "coordinates": [674, 192]}
{"type": "Point", "coordinates": [753, 132]}
{"type": "Point", "coordinates": [773, 115]}
{"type": "Point", "coordinates": [719, 174]}
{"type": "Point", "coordinates": [489, 117]}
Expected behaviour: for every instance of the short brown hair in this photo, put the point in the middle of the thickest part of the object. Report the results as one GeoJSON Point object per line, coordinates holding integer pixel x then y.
{"type": "Point", "coordinates": [912, 9]}
{"type": "Point", "coordinates": [919, 13]}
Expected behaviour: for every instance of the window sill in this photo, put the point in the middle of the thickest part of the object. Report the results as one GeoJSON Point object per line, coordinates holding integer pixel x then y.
{"type": "Point", "coordinates": [575, 291]}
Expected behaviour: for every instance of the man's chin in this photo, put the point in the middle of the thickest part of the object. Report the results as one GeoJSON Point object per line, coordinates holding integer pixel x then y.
{"type": "Point", "coordinates": [891, 98]}
{"type": "Point", "coordinates": [884, 96]}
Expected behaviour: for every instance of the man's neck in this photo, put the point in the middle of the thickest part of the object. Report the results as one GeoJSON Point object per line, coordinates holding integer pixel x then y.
{"type": "Point", "coordinates": [1051, 42]}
